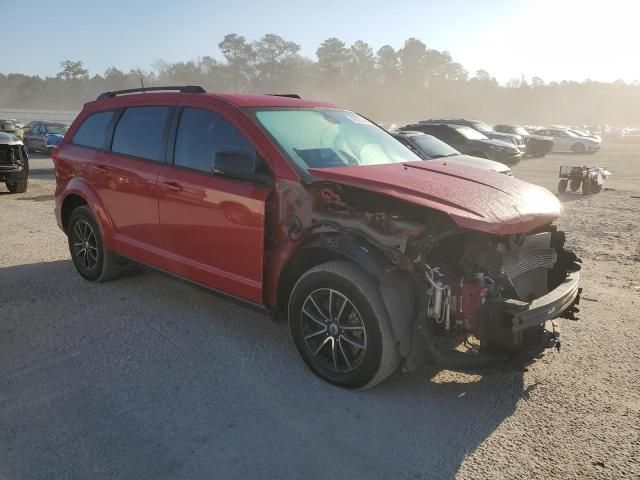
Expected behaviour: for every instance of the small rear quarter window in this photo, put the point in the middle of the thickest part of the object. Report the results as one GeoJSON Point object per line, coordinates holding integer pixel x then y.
{"type": "Point", "coordinates": [92, 133]}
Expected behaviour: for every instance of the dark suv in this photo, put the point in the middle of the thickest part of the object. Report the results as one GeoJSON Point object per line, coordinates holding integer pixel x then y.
{"type": "Point", "coordinates": [469, 141]}
{"type": "Point", "coordinates": [14, 163]}
{"type": "Point", "coordinates": [322, 219]}
{"type": "Point", "coordinates": [486, 129]}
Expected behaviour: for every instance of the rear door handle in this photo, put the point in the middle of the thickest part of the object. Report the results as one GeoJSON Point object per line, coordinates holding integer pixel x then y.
{"type": "Point", "coordinates": [101, 168]}
{"type": "Point", "coordinates": [172, 186]}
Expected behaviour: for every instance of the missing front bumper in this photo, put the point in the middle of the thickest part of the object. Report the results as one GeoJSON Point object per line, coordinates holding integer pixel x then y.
{"type": "Point", "coordinates": [508, 321]}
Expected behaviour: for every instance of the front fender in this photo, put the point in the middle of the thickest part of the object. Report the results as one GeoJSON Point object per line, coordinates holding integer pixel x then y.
{"type": "Point", "coordinates": [396, 286]}
{"type": "Point", "coordinates": [80, 187]}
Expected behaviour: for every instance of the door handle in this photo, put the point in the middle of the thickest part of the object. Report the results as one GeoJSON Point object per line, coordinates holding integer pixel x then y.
{"type": "Point", "coordinates": [172, 186]}
{"type": "Point", "coordinates": [101, 168]}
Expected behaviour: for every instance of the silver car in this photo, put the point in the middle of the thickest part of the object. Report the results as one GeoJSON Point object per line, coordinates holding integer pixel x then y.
{"type": "Point", "coordinates": [564, 140]}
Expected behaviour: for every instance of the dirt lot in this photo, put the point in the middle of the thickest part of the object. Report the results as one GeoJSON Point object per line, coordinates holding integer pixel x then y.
{"type": "Point", "coordinates": [146, 377]}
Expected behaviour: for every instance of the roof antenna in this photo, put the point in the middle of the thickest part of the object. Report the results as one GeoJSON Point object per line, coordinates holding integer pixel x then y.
{"type": "Point", "coordinates": [142, 83]}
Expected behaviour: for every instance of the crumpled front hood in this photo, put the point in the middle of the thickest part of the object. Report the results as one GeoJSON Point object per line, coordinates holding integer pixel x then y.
{"type": "Point", "coordinates": [474, 198]}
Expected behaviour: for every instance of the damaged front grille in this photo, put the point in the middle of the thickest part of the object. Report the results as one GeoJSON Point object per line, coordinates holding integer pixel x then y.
{"type": "Point", "coordinates": [10, 155]}
{"type": "Point", "coordinates": [525, 266]}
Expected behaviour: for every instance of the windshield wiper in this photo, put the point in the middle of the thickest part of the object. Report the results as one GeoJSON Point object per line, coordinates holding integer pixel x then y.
{"type": "Point", "coordinates": [444, 156]}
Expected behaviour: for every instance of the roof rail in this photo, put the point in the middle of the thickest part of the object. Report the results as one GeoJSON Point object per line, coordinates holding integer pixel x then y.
{"type": "Point", "coordinates": [288, 95]}
{"type": "Point", "coordinates": [181, 88]}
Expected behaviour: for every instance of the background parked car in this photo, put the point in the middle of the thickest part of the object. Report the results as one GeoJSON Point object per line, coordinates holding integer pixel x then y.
{"type": "Point", "coordinates": [43, 136]}
{"type": "Point", "coordinates": [429, 147]}
{"type": "Point", "coordinates": [11, 128]}
{"type": "Point", "coordinates": [536, 145]}
{"type": "Point", "coordinates": [28, 126]}
{"type": "Point", "coordinates": [586, 134]}
{"type": "Point", "coordinates": [486, 130]}
{"type": "Point", "coordinates": [566, 141]}
{"type": "Point", "coordinates": [470, 142]}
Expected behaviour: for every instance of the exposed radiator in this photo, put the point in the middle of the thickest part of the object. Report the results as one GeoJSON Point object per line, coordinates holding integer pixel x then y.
{"type": "Point", "coordinates": [526, 266]}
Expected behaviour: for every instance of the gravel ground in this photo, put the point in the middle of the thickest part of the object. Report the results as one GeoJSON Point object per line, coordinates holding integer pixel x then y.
{"type": "Point", "coordinates": [146, 377]}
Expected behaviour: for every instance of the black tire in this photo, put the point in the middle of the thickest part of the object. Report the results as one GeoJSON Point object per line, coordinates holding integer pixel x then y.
{"type": "Point", "coordinates": [578, 148]}
{"type": "Point", "coordinates": [96, 264]}
{"type": "Point", "coordinates": [586, 188]}
{"type": "Point", "coordinates": [374, 356]}
{"type": "Point", "coordinates": [574, 185]}
{"type": "Point", "coordinates": [562, 185]}
{"type": "Point", "coordinates": [17, 187]}
{"type": "Point", "coordinates": [596, 188]}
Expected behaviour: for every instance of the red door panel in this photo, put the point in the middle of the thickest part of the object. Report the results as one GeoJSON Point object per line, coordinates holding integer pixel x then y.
{"type": "Point", "coordinates": [213, 230]}
{"type": "Point", "coordinates": [128, 189]}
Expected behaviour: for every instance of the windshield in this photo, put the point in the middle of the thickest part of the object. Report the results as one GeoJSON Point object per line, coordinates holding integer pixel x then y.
{"type": "Point", "coordinates": [314, 138]}
{"type": "Point", "coordinates": [57, 129]}
{"type": "Point", "coordinates": [432, 147]}
{"type": "Point", "coordinates": [470, 134]}
{"type": "Point", "coordinates": [521, 131]}
{"type": "Point", "coordinates": [482, 127]}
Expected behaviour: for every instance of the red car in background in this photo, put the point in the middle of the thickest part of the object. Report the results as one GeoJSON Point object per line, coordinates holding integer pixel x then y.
{"type": "Point", "coordinates": [374, 257]}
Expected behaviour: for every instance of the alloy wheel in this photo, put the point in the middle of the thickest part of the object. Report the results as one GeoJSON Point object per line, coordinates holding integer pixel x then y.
{"type": "Point", "coordinates": [85, 245]}
{"type": "Point", "coordinates": [333, 330]}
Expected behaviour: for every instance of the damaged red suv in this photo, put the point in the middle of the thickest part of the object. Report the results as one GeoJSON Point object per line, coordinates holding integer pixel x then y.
{"type": "Point", "coordinates": [375, 258]}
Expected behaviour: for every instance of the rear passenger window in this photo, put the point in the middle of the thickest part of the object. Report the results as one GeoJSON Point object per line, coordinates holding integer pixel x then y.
{"type": "Point", "coordinates": [140, 132]}
{"type": "Point", "coordinates": [202, 134]}
{"type": "Point", "coordinates": [93, 130]}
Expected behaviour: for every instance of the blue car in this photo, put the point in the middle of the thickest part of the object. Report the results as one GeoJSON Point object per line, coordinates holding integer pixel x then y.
{"type": "Point", "coordinates": [43, 136]}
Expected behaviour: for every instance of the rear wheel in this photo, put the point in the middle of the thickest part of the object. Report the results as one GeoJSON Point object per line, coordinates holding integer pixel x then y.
{"type": "Point", "coordinates": [17, 187]}
{"type": "Point", "coordinates": [586, 188]}
{"type": "Point", "coordinates": [562, 185]}
{"type": "Point", "coordinates": [340, 327]}
{"type": "Point", "coordinates": [596, 188]}
{"type": "Point", "coordinates": [89, 256]}
{"type": "Point", "coordinates": [578, 148]}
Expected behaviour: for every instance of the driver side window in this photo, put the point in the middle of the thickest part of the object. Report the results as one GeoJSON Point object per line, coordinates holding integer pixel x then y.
{"type": "Point", "coordinates": [202, 134]}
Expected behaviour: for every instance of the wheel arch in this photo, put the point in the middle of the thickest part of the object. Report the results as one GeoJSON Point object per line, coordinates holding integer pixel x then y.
{"type": "Point", "coordinates": [396, 287]}
{"type": "Point", "coordinates": [78, 193]}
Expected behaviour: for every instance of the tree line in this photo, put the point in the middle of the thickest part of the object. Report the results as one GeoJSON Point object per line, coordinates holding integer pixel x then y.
{"type": "Point", "coordinates": [388, 85]}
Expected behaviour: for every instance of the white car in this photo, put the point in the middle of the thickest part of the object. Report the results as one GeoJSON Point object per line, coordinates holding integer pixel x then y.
{"type": "Point", "coordinates": [565, 140]}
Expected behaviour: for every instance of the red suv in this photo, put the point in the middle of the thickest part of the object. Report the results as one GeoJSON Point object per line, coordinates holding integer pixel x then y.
{"type": "Point", "coordinates": [374, 257]}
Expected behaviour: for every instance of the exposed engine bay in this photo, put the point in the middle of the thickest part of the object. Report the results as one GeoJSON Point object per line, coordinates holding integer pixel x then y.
{"type": "Point", "coordinates": [475, 292]}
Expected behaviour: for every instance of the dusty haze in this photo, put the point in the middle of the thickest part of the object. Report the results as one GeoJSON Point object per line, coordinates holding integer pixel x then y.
{"type": "Point", "coordinates": [387, 85]}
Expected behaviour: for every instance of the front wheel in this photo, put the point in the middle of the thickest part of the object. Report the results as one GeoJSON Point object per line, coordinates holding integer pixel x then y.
{"type": "Point", "coordinates": [89, 256]}
{"type": "Point", "coordinates": [340, 327]}
{"type": "Point", "coordinates": [17, 187]}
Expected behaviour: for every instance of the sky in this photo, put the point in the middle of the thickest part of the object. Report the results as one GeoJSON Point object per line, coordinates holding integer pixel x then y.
{"type": "Point", "coordinates": [552, 39]}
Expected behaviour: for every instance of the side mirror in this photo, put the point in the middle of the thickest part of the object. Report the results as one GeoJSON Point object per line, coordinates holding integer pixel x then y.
{"type": "Point", "coordinates": [239, 165]}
